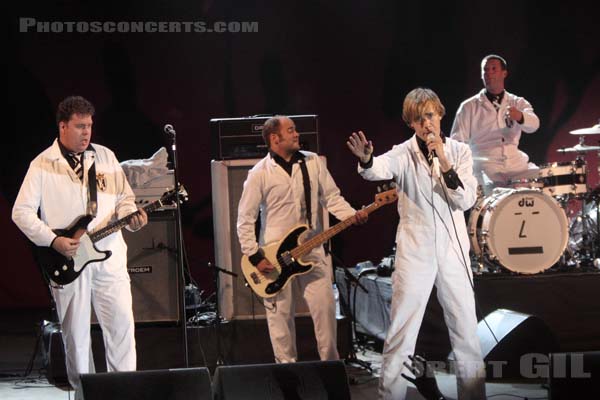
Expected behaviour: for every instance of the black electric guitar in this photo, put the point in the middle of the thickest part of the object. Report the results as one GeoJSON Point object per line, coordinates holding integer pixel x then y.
{"type": "Point", "coordinates": [286, 254]}
{"type": "Point", "coordinates": [63, 270]}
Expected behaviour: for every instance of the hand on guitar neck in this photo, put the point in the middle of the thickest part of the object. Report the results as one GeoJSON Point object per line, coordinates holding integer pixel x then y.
{"type": "Point", "coordinates": [361, 217]}
{"type": "Point", "coordinates": [68, 246]}
{"type": "Point", "coordinates": [138, 220]}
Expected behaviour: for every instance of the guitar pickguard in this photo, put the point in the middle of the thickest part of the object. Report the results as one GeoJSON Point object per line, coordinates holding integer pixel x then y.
{"type": "Point", "coordinates": [289, 265]}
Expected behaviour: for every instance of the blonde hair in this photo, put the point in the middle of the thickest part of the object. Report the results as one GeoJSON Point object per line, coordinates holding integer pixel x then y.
{"type": "Point", "coordinates": [416, 101]}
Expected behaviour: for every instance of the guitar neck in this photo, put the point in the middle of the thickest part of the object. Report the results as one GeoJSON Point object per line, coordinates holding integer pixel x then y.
{"type": "Point", "coordinates": [121, 223]}
{"type": "Point", "coordinates": [322, 237]}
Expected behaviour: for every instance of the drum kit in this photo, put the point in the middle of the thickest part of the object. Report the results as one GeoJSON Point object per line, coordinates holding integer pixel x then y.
{"type": "Point", "coordinates": [551, 220]}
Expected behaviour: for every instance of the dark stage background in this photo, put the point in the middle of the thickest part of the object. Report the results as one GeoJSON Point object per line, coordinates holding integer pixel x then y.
{"type": "Point", "coordinates": [350, 62]}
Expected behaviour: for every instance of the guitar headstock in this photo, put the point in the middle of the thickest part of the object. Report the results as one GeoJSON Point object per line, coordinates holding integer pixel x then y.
{"type": "Point", "coordinates": [171, 196]}
{"type": "Point", "coordinates": [387, 194]}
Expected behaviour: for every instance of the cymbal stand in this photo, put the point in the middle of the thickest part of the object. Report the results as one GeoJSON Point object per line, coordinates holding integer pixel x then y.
{"type": "Point", "coordinates": [587, 250]}
{"type": "Point", "coordinates": [595, 250]}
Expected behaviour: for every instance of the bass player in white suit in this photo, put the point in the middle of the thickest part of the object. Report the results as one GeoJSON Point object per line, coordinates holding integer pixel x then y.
{"type": "Point", "coordinates": [56, 185]}
{"type": "Point", "coordinates": [275, 188]}
{"type": "Point", "coordinates": [435, 186]}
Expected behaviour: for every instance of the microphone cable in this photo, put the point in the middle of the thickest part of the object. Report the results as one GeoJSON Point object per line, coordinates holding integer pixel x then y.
{"type": "Point", "coordinates": [469, 277]}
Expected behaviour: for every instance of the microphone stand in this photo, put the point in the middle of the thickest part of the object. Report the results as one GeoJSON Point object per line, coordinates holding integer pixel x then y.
{"type": "Point", "coordinates": [179, 240]}
{"type": "Point", "coordinates": [216, 270]}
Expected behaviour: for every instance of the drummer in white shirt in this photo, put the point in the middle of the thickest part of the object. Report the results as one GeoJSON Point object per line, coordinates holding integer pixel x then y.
{"type": "Point", "coordinates": [491, 122]}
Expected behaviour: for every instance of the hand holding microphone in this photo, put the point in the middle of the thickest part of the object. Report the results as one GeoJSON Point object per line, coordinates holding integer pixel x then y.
{"type": "Point", "coordinates": [433, 143]}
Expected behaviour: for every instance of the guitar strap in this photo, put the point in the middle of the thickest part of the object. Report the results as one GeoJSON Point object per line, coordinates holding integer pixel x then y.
{"type": "Point", "coordinates": [306, 182]}
{"type": "Point", "coordinates": [92, 207]}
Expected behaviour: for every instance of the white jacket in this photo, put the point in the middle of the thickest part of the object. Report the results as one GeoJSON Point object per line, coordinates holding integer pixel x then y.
{"type": "Point", "coordinates": [280, 199]}
{"type": "Point", "coordinates": [479, 124]}
{"type": "Point", "coordinates": [423, 212]}
{"type": "Point", "coordinates": [52, 187]}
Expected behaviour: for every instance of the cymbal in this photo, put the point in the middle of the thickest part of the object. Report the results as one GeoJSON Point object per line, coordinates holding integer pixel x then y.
{"type": "Point", "coordinates": [594, 130]}
{"type": "Point", "coordinates": [579, 148]}
{"type": "Point", "coordinates": [480, 158]}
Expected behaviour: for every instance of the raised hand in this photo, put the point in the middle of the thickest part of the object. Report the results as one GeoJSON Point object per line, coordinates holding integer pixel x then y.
{"type": "Point", "coordinates": [360, 146]}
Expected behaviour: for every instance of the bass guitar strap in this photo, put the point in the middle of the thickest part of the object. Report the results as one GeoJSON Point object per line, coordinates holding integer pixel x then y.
{"type": "Point", "coordinates": [306, 183]}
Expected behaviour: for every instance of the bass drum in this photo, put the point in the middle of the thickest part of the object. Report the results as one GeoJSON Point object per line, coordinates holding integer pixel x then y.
{"type": "Point", "coordinates": [523, 230]}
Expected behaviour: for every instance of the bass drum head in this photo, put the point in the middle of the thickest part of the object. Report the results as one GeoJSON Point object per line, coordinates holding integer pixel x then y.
{"type": "Point", "coordinates": [527, 232]}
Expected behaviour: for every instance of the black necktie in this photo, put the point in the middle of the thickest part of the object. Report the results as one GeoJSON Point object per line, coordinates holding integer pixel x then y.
{"type": "Point", "coordinates": [76, 164]}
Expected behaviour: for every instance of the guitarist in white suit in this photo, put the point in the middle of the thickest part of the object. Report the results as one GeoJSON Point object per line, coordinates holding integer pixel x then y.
{"type": "Point", "coordinates": [275, 187]}
{"type": "Point", "coordinates": [56, 185]}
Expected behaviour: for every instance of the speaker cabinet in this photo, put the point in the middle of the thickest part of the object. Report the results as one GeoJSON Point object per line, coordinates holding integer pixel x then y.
{"type": "Point", "coordinates": [153, 270]}
{"type": "Point", "coordinates": [517, 335]}
{"type": "Point", "coordinates": [302, 380]}
{"type": "Point", "coordinates": [235, 299]}
{"type": "Point", "coordinates": [574, 375]}
{"type": "Point", "coordinates": [172, 384]}
{"type": "Point", "coordinates": [53, 354]}
{"type": "Point", "coordinates": [152, 266]}
{"type": "Point", "coordinates": [235, 138]}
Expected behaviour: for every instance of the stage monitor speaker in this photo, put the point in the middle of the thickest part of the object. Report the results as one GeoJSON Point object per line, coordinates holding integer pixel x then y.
{"type": "Point", "coordinates": [236, 301]}
{"type": "Point", "coordinates": [153, 270]}
{"type": "Point", "coordinates": [301, 380]}
{"type": "Point", "coordinates": [574, 375]}
{"type": "Point", "coordinates": [518, 334]}
{"type": "Point", "coordinates": [53, 353]}
{"type": "Point", "coordinates": [171, 384]}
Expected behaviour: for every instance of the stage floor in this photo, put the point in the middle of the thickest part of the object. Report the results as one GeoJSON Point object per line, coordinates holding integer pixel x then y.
{"type": "Point", "coordinates": [568, 303]}
{"type": "Point", "coordinates": [17, 343]}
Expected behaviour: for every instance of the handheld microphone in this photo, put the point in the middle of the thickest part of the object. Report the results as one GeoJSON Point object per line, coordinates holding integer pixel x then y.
{"type": "Point", "coordinates": [431, 136]}
{"type": "Point", "coordinates": [169, 129]}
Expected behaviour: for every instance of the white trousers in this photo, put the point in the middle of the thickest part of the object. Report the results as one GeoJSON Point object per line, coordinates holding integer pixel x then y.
{"type": "Point", "coordinates": [316, 288]}
{"type": "Point", "coordinates": [412, 283]}
{"type": "Point", "coordinates": [110, 295]}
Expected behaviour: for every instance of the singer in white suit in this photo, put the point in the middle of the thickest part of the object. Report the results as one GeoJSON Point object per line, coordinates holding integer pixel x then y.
{"type": "Point", "coordinates": [435, 186]}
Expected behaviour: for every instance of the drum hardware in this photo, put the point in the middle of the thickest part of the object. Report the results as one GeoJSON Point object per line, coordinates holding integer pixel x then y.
{"type": "Point", "coordinates": [584, 232]}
